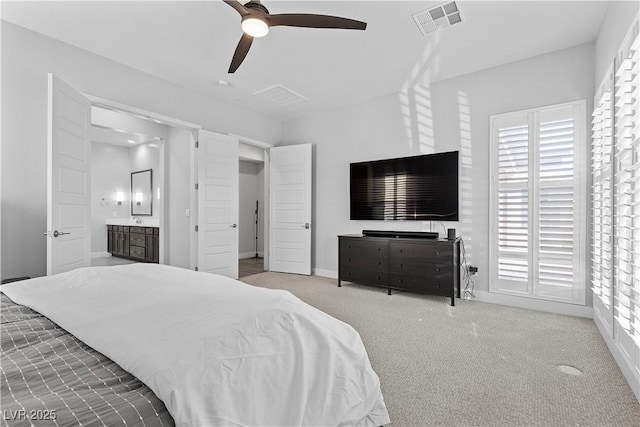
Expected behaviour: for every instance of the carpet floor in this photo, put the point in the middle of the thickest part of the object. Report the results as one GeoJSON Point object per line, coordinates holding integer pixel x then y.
{"type": "Point", "coordinates": [475, 364]}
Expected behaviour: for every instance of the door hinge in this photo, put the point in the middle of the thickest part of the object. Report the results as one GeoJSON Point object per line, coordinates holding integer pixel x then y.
{"type": "Point", "coordinates": [197, 144]}
{"type": "Point", "coordinates": [196, 186]}
{"type": "Point", "coordinates": [196, 228]}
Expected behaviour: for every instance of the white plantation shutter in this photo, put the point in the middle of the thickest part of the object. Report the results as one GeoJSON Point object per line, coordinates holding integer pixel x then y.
{"type": "Point", "coordinates": [513, 203]}
{"type": "Point", "coordinates": [626, 294]}
{"type": "Point", "coordinates": [602, 201]}
{"type": "Point", "coordinates": [556, 204]}
{"type": "Point", "coordinates": [538, 214]}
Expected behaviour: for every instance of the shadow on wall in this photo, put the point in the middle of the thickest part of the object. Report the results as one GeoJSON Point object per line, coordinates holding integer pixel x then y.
{"type": "Point", "coordinates": [465, 197]}
{"type": "Point", "coordinates": [416, 106]}
{"type": "Point", "coordinates": [415, 101]}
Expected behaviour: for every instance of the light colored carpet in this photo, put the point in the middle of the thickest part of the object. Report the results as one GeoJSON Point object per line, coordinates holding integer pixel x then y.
{"type": "Point", "coordinates": [475, 364]}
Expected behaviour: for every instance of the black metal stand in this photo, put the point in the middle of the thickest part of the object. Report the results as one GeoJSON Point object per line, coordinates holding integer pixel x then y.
{"type": "Point", "coordinates": [256, 215]}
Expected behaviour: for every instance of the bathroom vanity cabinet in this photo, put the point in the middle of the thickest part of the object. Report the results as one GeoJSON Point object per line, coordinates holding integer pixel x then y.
{"type": "Point", "coordinates": [136, 243]}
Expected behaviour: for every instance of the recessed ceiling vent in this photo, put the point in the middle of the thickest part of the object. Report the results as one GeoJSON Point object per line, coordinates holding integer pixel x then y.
{"type": "Point", "coordinates": [444, 15]}
{"type": "Point", "coordinates": [280, 96]}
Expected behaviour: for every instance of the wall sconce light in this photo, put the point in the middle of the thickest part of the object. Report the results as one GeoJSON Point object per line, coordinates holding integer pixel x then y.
{"type": "Point", "coordinates": [139, 198]}
{"type": "Point", "coordinates": [119, 197]}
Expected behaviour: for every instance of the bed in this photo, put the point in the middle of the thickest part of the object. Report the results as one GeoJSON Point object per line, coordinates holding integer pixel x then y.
{"type": "Point", "coordinates": [148, 345]}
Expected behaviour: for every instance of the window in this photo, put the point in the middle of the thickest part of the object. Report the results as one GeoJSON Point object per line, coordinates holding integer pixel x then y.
{"type": "Point", "coordinates": [626, 190]}
{"type": "Point", "coordinates": [537, 205]}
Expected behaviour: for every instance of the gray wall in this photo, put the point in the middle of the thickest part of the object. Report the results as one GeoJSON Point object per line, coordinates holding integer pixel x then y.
{"type": "Point", "coordinates": [444, 116]}
{"type": "Point", "coordinates": [177, 198]}
{"type": "Point", "coordinates": [27, 57]}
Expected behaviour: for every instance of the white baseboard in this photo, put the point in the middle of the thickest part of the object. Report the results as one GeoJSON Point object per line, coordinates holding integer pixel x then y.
{"type": "Point", "coordinates": [534, 304]}
{"type": "Point", "coordinates": [104, 254]}
{"type": "Point", "coordinates": [332, 274]}
{"type": "Point", "coordinates": [625, 365]}
{"type": "Point", "coordinates": [245, 255]}
{"type": "Point", "coordinates": [512, 301]}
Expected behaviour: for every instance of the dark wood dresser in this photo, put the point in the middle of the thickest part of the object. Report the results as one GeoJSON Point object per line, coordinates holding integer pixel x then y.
{"type": "Point", "coordinates": [430, 266]}
{"type": "Point", "coordinates": [137, 243]}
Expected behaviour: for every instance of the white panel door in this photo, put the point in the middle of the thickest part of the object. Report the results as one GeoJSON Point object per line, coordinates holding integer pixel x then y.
{"type": "Point", "coordinates": [218, 177]}
{"type": "Point", "coordinates": [69, 151]}
{"type": "Point", "coordinates": [290, 209]}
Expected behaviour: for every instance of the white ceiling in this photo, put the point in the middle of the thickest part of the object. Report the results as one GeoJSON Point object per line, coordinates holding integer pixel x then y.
{"type": "Point", "coordinates": [191, 44]}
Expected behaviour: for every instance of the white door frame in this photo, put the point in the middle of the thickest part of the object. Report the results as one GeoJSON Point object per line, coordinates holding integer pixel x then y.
{"type": "Point", "coordinates": [172, 122]}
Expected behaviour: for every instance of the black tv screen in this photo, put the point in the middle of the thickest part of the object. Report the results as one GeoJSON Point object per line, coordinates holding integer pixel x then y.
{"type": "Point", "coordinates": [417, 188]}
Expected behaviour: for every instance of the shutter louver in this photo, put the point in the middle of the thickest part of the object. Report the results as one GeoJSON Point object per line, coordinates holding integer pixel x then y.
{"type": "Point", "coordinates": [602, 198]}
{"type": "Point", "coordinates": [556, 200]}
{"type": "Point", "coordinates": [513, 204]}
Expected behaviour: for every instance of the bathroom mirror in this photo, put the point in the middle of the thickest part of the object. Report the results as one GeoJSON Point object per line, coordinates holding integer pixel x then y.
{"type": "Point", "coordinates": [141, 193]}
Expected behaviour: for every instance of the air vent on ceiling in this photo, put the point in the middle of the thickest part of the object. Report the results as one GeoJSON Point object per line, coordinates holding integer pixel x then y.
{"type": "Point", "coordinates": [441, 16]}
{"type": "Point", "coordinates": [280, 96]}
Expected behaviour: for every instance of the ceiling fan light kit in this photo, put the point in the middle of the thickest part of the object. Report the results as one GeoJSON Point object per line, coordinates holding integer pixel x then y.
{"type": "Point", "coordinates": [256, 21]}
{"type": "Point", "coordinates": [255, 26]}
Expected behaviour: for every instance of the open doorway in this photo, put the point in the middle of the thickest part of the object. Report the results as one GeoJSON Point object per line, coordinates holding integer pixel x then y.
{"type": "Point", "coordinates": [124, 148]}
{"type": "Point", "coordinates": [250, 217]}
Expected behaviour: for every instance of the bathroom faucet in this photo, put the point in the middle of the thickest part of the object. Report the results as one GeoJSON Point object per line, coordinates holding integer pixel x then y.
{"type": "Point", "coordinates": [138, 219]}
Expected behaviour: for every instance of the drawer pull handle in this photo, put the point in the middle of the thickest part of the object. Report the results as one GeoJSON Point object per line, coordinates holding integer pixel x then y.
{"type": "Point", "coordinates": [437, 269]}
{"type": "Point", "coordinates": [400, 266]}
{"type": "Point", "coordinates": [378, 249]}
{"type": "Point", "coordinates": [349, 260]}
{"type": "Point", "coordinates": [378, 263]}
{"type": "Point", "coordinates": [378, 277]}
{"type": "Point", "coordinates": [437, 253]}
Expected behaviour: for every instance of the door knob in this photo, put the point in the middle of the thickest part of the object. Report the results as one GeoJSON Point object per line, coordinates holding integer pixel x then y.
{"type": "Point", "coordinates": [233, 225]}
{"type": "Point", "coordinates": [307, 225]}
{"type": "Point", "coordinates": [55, 233]}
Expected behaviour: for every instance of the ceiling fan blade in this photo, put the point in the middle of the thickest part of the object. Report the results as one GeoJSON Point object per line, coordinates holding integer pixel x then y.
{"type": "Point", "coordinates": [241, 51]}
{"type": "Point", "coordinates": [237, 6]}
{"type": "Point", "coordinates": [315, 21]}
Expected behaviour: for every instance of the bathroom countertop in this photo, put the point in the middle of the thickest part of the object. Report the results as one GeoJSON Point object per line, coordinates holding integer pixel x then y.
{"type": "Point", "coordinates": [146, 222]}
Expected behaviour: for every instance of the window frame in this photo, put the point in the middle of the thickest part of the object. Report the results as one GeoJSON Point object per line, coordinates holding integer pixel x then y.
{"type": "Point", "coordinates": [580, 169]}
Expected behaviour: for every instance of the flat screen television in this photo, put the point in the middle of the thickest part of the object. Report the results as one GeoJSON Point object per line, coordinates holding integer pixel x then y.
{"type": "Point", "coordinates": [417, 188]}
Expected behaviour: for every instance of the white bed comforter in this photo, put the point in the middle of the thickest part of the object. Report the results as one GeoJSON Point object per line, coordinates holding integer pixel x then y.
{"type": "Point", "coordinates": [216, 351]}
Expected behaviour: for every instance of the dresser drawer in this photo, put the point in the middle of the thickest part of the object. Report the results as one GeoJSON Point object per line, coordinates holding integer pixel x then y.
{"type": "Point", "coordinates": [433, 253]}
{"type": "Point", "coordinates": [136, 239]}
{"type": "Point", "coordinates": [374, 263]}
{"type": "Point", "coordinates": [431, 285]}
{"type": "Point", "coordinates": [136, 230]}
{"type": "Point", "coordinates": [149, 230]}
{"type": "Point", "coordinates": [361, 247]}
{"type": "Point", "coordinates": [417, 268]}
{"type": "Point", "coordinates": [364, 276]}
{"type": "Point", "coordinates": [136, 252]}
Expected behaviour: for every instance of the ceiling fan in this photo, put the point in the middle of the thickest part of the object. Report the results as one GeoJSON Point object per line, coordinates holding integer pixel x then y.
{"type": "Point", "coordinates": [256, 21]}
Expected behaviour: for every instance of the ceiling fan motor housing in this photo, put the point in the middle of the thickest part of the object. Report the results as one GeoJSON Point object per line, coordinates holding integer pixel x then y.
{"type": "Point", "coordinates": [256, 5]}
